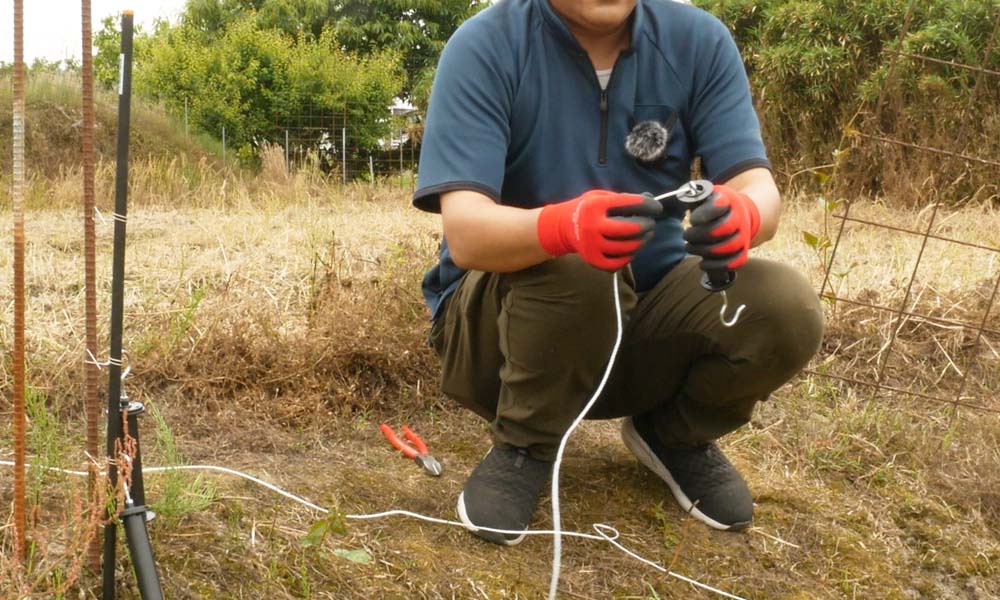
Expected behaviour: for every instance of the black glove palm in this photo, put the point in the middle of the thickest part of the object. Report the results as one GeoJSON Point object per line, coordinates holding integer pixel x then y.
{"type": "Point", "coordinates": [642, 214]}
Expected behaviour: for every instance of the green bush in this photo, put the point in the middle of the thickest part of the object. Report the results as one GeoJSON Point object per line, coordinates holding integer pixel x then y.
{"type": "Point", "coordinates": [249, 77]}
{"type": "Point", "coordinates": [820, 68]}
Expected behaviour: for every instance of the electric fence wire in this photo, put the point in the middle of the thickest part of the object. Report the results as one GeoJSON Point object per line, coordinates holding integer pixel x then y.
{"type": "Point", "coordinates": [604, 532]}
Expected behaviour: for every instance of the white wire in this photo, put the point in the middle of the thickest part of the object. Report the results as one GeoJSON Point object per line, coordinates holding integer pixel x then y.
{"type": "Point", "coordinates": [612, 539]}
{"type": "Point", "coordinates": [365, 516]}
{"type": "Point", "coordinates": [556, 514]}
{"type": "Point", "coordinates": [605, 532]}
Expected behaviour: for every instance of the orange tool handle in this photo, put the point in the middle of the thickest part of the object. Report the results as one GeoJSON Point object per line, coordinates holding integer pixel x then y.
{"type": "Point", "coordinates": [396, 442]}
{"type": "Point", "coordinates": [418, 442]}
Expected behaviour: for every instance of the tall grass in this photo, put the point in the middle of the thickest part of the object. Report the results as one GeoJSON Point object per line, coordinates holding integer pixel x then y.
{"type": "Point", "coordinates": [179, 492]}
{"type": "Point", "coordinates": [47, 441]}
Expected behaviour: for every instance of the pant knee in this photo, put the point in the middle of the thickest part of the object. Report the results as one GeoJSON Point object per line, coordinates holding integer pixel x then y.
{"type": "Point", "coordinates": [561, 277]}
{"type": "Point", "coordinates": [790, 312]}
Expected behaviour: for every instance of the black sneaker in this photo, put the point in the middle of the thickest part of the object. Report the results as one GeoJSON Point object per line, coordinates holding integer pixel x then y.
{"type": "Point", "coordinates": [502, 493]}
{"type": "Point", "coordinates": [704, 482]}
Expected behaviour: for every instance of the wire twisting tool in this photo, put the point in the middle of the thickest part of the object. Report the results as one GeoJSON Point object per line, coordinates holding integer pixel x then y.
{"type": "Point", "coordinates": [693, 194]}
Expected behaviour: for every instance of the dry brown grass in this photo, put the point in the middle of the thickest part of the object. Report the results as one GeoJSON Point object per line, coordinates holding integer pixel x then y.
{"type": "Point", "coordinates": [931, 353]}
{"type": "Point", "coordinates": [932, 119]}
{"type": "Point", "coordinates": [275, 321]}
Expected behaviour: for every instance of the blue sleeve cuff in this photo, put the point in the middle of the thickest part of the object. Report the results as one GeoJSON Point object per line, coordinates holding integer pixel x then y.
{"type": "Point", "coordinates": [428, 199]}
{"type": "Point", "coordinates": [744, 165]}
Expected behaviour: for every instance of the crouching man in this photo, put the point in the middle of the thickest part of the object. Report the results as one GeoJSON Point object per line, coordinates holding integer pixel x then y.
{"type": "Point", "coordinates": [524, 155]}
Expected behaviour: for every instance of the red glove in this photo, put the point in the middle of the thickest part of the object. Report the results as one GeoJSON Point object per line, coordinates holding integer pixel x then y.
{"type": "Point", "coordinates": [605, 228]}
{"type": "Point", "coordinates": [722, 228]}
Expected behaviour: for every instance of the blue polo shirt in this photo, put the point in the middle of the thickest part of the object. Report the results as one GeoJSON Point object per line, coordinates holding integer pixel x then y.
{"type": "Point", "coordinates": [517, 113]}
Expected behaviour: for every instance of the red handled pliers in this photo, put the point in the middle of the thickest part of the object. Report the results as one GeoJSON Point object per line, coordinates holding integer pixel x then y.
{"type": "Point", "coordinates": [418, 452]}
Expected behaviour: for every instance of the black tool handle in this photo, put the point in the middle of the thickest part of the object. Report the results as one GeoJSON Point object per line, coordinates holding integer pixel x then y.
{"type": "Point", "coordinates": [141, 551]}
{"type": "Point", "coordinates": [716, 280]}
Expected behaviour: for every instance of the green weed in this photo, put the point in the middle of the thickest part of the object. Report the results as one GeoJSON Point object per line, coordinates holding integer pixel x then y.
{"type": "Point", "coordinates": [181, 492]}
{"type": "Point", "coordinates": [182, 322]}
{"type": "Point", "coordinates": [332, 523]}
{"type": "Point", "coordinates": [46, 440]}
{"type": "Point", "coordinates": [668, 526]}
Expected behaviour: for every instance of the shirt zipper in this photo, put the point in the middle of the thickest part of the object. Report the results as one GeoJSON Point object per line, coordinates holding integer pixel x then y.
{"type": "Point", "coordinates": [602, 149]}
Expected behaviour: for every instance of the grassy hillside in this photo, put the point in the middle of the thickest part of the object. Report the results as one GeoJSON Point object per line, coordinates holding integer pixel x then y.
{"type": "Point", "coordinates": [274, 321]}
{"type": "Point", "coordinates": [54, 119]}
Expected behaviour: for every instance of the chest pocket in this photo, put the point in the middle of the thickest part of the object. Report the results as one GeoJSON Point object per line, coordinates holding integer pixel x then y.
{"type": "Point", "coordinates": [676, 159]}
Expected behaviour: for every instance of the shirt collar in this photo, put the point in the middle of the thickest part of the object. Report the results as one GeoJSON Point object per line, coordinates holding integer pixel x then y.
{"type": "Point", "coordinates": [562, 33]}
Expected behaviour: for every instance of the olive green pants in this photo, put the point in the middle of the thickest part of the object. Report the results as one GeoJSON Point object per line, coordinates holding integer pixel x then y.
{"type": "Point", "coordinates": [526, 350]}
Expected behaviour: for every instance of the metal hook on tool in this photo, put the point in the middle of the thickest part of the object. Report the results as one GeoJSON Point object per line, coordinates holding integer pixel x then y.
{"type": "Point", "coordinates": [725, 307]}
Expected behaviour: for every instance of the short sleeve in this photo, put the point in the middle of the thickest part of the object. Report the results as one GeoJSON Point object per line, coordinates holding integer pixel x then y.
{"type": "Point", "coordinates": [725, 126]}
{"type": "Point", "coordinates": [467, 130]}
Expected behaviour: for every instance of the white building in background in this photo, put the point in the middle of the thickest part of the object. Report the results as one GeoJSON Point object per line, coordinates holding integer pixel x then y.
{"type": "Point", "coordinates": [398, 137]}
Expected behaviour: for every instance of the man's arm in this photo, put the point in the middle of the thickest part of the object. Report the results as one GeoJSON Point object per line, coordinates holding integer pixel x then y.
{"type": "Point", "coordinates": [759, 184]}
{"type": "Point", "coordinates": [487, 236]}
{"type": "Point", "coordinates": [605, 228]}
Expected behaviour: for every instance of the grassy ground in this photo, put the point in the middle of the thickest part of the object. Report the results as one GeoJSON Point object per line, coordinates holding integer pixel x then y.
{"type": "Point", "coordinates": [273, 322]}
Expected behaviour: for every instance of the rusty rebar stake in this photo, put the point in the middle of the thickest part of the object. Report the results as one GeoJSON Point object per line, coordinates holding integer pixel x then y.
{"type": "Point", "coordinates": [90, 370]}
{"type": "Point", "coordinates": [17, 194]}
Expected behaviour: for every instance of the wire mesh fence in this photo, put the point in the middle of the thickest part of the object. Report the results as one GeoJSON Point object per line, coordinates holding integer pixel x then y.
{"type": "Point", "coordinates": [913, 338]}
{"type": "Point", "coordinates": [342, 144]}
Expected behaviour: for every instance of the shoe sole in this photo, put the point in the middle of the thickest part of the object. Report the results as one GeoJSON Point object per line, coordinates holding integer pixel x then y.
{"type": "Point", "coordinates": [490, 536]}
{"type": "Point", "coordinates": [642, 451]}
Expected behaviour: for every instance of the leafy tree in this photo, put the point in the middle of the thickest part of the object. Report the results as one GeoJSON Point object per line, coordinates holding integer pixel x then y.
{"type": "Point", "coordinates": [420, 93]}
{"type": "Point", "coordinates": [295, 17]}
{"type": "Point", "coordinates": [814, 63]}
{"type": "Point", "coordinates": [292, 17]}
{"type": "Point", "coordinates": [214, 16]}
{"type": "Point", "coordinates": [249, 79]}
{"type": "Point", "coordinates": [418, 29]}
{"type": "Point", "coordinates": [108, 41]}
